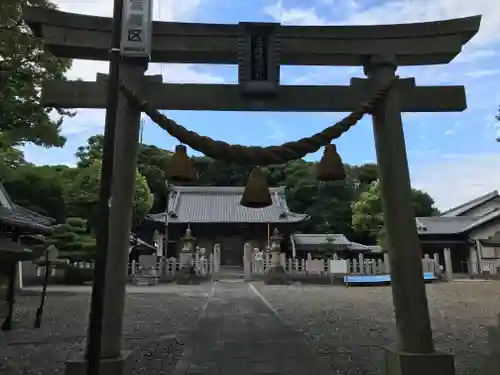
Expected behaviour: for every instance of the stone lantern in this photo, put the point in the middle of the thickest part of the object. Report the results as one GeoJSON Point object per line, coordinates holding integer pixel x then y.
{"type": "Point", "coordinates": [276, 274]}
{"type": "Point", "coordinates": [187, 274]}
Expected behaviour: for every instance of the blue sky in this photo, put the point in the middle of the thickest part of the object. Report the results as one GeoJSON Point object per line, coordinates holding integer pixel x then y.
{"type": "Point", "coordinates": [453, 156]}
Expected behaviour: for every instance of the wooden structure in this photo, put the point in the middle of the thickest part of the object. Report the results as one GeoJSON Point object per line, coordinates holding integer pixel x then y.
{"type": "Point", "coordinates": [19, 242]}
{"type": "Point", "coordinates": [378, 49]}
{"type": "Point", "coordinates": [467, 237]}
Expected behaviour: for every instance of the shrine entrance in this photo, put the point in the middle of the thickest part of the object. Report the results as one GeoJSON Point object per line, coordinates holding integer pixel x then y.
{"type": "Point", "coordinates": [260, 49]}
{"type": "Point", "coordinates": [231, 251]}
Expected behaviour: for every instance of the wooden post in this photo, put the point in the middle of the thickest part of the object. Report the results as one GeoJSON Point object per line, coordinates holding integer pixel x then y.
{"type": "Point", "coordinates": [410, 301]}
{"type": "Point", "coordinates": [122, 195]}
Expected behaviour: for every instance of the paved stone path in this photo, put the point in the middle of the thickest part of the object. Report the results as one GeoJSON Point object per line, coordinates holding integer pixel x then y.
{"type": "Point", "coordinates": [238, 334]}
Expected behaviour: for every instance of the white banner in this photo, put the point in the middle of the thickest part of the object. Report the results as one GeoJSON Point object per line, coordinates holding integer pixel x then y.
{"type": "Point", "coordinates": [137, 28]}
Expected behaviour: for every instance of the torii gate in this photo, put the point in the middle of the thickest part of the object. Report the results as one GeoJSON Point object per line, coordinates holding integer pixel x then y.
{"type": "Point", "coordinates": [379, 49]}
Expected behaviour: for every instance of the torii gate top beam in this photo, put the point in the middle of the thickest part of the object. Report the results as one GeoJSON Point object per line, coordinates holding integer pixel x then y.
{"type": "Point", "coordinates": [87, 37]}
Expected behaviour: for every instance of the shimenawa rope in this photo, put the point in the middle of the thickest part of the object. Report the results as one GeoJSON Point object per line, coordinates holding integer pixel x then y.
{"type": "Point", "coordinates": [255, 155]}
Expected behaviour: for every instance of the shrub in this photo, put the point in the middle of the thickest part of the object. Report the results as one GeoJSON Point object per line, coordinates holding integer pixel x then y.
{"type": "Point", "coordinates": [77, 276]}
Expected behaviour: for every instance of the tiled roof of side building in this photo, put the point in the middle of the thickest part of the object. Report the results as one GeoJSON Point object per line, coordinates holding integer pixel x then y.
{"type": "Point", "coordinates": [221, 204]}
{"type": "Point", "coordinates": [302, 239]}
{"type": "Point", "coordinates": [453, 224]}
{"type": "Point", "coordinates": [443, 225]}
{"type": "Point", "coordinates": [464, 207]}
{"type": "Point", "coordinates": [320, 238]}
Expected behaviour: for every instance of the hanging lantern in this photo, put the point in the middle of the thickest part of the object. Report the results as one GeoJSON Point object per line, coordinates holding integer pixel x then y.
{"type": "Point", "coordinates": [256, 194]}
{"type": "Point", "coordinates": [330, 167]}
{"type": "Point", "coordinates": [180, 167]}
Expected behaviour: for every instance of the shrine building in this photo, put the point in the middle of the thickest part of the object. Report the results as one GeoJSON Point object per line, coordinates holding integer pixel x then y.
{"type": "Point", "coordinates": [215, 216]}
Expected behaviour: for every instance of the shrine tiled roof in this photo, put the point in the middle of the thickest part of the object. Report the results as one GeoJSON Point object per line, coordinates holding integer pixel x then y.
{"type": "Point", "coordinates": [221, 204]}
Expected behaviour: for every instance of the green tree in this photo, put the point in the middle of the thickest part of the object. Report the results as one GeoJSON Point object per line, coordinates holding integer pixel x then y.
{"type": "Point", "coordinates": [24, 65]}
{"type": "Point", "coordinates": [90, 152]}
{"type": "Point", "coordinates": [368, 218]}
{"type": "Point", "coordinates": [10, 159]}
{"type": "Point", "coordinates": [327, 249]}
{"type": "Point", "coordinates": [327, 204]}
{"type": "Point", "coordinates": [73, 240]}
{"type": "Point", "coordinates": [81, 194]}
{"type": "Point", "coordinates": [40, 189]}
{"type": "Point", "coordinates": [151, 161]}
{"type": "Point", "coordinates": [367, 214]}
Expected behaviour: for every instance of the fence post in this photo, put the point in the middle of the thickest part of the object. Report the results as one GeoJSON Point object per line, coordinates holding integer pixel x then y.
{"type": "Point", "coordinates": [437, 268]}
{"type": "Point", "coordinates": [211, 264]}
{"type": "Point", "coordinates": [174, 266]}
{"type": "Point", "coordinates": [216, 262]}
{"type": "Point", "coordinates": [361, 260]}
{"type": "Point", "coordinates": [386, 263]}
{"type": "Point", "coordinates": [247, 261]}
{"type": "Point", "coordinates": [283, 260]}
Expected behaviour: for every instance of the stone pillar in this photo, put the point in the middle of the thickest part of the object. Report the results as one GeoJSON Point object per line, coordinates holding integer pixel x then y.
{"type": "Point", "coordinates": [387, 263]}
{"type": "Point", "coordinates": [120, 214]}
{"type": "Point", "coordinates": [247, 261]}
{"type": "Point", "coordinates": [408, 288]}
{"type": "Point", "coordinates": [448, 268]}
{"type": "Point", "coordinates": [216, 266]}
{"type": "Point", "coordinates": [120, 219]}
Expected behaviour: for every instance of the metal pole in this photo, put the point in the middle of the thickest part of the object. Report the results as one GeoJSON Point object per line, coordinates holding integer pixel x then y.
{"type": "Point", "coordinates": [97, 302]}
{"type": "Point", "coordinates": [39, 311]}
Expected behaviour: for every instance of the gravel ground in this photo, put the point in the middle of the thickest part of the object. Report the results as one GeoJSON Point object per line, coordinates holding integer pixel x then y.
{"type": "Point", "coordinates": [349, 326]}
{"type": "Point", "coordinates": [156, 326]}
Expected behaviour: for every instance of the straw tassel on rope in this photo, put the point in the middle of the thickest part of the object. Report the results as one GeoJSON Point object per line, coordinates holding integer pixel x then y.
{"type": "Point", "coordinates": [180, 167]}
{"type": "Point", "coordinates": [330, 167]}
{"type": "Point", "coordinates": [256, 194]}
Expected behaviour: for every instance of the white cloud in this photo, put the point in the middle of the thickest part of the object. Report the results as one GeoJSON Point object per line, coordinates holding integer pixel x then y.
{"type": "Point", "coordinates": [455, 179]}
{"type": "Point", "coordinates": [276, 131]}
{"type": "Point", "coordinates": [468, 55]}
{"type": "Point", "coordinates": [482, 73]}
{"type": "Point", "coordinates": [295, 16]}
{"type": "Point", "coordinates": [397, 11]}
{"type": "Point", "coordinates": [453, 129]}
{"type": "Point", "coordinates": [165, 10]}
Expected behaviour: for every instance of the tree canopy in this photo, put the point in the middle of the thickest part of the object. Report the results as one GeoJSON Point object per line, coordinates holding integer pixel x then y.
{"type": "Point", "coordinates": [81, 194]}
{"type": "Point", "coordinates": [351, 207]}
{"type": "Point", "coordinates": [367, 216]}
{"type": "Point", "coordinates": [24, 65]}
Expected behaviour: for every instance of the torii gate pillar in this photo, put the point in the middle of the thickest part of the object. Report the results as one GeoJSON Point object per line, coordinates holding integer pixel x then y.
{"type": "Point", "coordinates": [114, 361]}
{"type": "Point", "coordinates": [415, 354]}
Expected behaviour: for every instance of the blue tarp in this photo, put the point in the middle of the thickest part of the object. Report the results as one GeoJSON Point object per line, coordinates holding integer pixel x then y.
{"type": "Point", "coordinates": [378, 279]}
